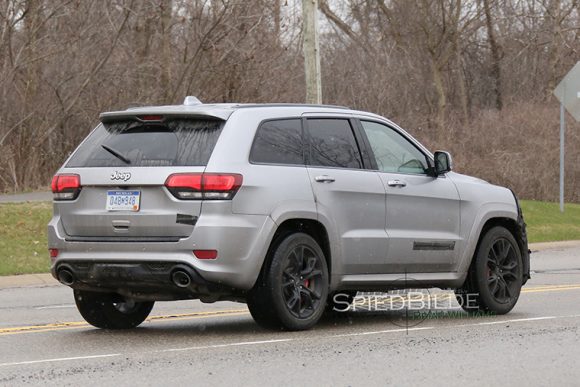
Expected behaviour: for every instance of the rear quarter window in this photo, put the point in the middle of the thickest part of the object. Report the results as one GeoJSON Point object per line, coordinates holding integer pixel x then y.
{"type": "Point", "coordinates": [278, 142]}
{"type": "Point", "coordinates": [177, 142]}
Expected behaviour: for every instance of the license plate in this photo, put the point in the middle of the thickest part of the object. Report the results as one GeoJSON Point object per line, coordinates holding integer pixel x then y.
{"type": "Point", "coordinates": [123, 200]}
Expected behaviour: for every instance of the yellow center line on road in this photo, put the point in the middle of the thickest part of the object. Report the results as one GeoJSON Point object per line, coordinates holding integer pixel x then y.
{"type": "Point", "coordinates": [208, 314]}
{"type": "Point", "coordinates": [82, 324]}
{"type": "Point", "coordinates": [554, 288]}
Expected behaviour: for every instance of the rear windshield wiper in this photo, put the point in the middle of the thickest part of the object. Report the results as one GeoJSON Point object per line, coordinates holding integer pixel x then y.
{"type": "Point", "coordinates": [116, 153]}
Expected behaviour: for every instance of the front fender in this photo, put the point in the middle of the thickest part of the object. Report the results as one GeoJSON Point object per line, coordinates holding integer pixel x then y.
{"type": "Point", "coordinates": [486, 212]}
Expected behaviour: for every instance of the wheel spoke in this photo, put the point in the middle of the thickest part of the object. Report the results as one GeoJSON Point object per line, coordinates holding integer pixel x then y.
{"type": "Point", "coordinates": [312, 274]}
{"type": "Point", "coordinates": [294, 263]}
{"type": "Point", "coordinates": [293, 301]}
{"type": "Point", "coordinates": [310, 266]}
{"type": "Point", "coordinates": [505, 252]}
{"type": "Point", "coordinates": [287, 284]}
{"type": "Point", "coordinates": [511, 275]}
{"type": "Point", "coordinates": [492, 256]}
{"type": "Point", "coordinates": [307, 297]}
{"type": "Point", "coordinates": [493, 288]}
{"type": "Point", "coordinates": [501, 291]}
{"type": "Point", "coordinates": [301, 260]}
{"type": "Point", "coordinates": [508, 292]}
{"type": "Point", "coordinates": [311, 293]}
{"type": "Point", "coordinates": [496, 249]}
{"type": "Point", "coordinates": [509, 266]}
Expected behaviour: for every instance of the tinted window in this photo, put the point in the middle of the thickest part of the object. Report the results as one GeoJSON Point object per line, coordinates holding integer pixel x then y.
{"type": "Point", "coordinates": [393, 152]}
{"type": "Point", "coordinates": [332, 144]}
{"type": "Point", "coordinates": [278, 142]}
{"type": "Point", "coordinates": [179, 142]}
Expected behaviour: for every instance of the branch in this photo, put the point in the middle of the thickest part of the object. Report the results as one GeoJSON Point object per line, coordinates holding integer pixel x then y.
{"type": "Point", "coordinates": [341, 24]}
{"type": "Point", "coordinates": [88, 79]}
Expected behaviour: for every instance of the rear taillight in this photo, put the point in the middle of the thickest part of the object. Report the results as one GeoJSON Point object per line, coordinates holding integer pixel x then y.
{"type": "Point", "coordinates": [66, 186]}
{"type": "Point", "coordinates": [204, 186]}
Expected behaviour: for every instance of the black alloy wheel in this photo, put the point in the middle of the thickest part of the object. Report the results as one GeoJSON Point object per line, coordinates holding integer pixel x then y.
{"type": "Point", "coordinates": [292, 289]}
{"type": "Point", "coordinates": [495, 277]}
{"type": "Point", "coordinates": [302, 282]}
{"type": "Point", "coordinates": [502, 266]}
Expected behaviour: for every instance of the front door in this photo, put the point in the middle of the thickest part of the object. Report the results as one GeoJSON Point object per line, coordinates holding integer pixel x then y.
{"type": "Point", "coordinates": [422, 211]}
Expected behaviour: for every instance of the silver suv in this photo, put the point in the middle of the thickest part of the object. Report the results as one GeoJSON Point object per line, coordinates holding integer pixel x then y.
{"type": "Point", "coordinates": [284, 207]}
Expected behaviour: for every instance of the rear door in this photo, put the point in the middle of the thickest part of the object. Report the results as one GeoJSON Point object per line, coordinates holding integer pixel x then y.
{"type": "Point", "coordinates": [349, 197]}
{"type": "Point", "coordinates": [123, 166]}
{"type": "Point", "coordinates": [423, 212]}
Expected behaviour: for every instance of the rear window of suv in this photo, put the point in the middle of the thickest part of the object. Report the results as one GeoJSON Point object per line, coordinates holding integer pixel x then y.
{"type": "Point", "coordinates": [176, 142]}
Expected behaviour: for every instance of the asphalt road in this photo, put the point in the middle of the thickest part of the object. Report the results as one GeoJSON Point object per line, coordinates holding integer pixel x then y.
{"type": "Point", "coordinates": [44, 341]}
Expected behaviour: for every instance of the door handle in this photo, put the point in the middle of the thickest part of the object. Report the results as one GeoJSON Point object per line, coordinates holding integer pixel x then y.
{"type": "Point", "coordinates": [324, 179]}
{"type": "Point", "coordinates": [396, 183]}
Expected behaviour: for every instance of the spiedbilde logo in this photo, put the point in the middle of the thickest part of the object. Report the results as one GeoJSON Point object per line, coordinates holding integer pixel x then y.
{"type": "Point", "coordinates": [409, 304]}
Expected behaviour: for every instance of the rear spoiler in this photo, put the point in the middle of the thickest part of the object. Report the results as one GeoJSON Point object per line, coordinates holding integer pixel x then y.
{"type": "Point", "coordinates": [140, 114]}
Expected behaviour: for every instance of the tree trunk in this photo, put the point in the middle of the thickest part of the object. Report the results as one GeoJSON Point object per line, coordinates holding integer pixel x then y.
{"type": "Point", "coordinates": [554, 56]}
{"type": "Point", "coordinates": [495, 56]}
{"type": "Point", "coordinates": [166, 8]}
{"type": "Point", "coordinates": [441, 97]}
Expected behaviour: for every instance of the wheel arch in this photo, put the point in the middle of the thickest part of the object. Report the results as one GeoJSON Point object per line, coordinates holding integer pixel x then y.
{"type": "Point", "coordinates": [479, 220]}
{"type": "Point", "coordinates": [514, 227]}
{"type": "Point", "coordinates": [311, 227]}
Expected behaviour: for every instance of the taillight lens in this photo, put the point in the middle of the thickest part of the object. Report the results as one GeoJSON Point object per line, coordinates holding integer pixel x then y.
{"type": "Point", "coordinates": [185, 185]}
{"type": "Point", "coordinates": [204, 186]}
{"type": "Point", "coordinates": [66, 186]}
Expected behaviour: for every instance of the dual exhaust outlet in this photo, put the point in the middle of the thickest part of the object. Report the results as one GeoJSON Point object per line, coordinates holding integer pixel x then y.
{"type": "Point", "coordinates": [65, 276]}
{"type": "Point", "coordinates": [179, 277]}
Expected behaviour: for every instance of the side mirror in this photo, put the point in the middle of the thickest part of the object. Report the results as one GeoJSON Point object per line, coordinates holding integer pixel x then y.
{"type": "Point", "coordinates": [443, 162]}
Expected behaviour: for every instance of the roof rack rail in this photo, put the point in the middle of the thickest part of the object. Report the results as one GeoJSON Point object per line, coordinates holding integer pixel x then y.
{"type": "Point", "coordinates": [242, 106]}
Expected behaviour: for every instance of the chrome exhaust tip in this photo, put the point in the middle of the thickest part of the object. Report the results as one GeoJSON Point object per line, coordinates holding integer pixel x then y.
{"type": "Point", "coordinates": [181, 279]}
{"type": "Point", "coordinates": [66, 277]}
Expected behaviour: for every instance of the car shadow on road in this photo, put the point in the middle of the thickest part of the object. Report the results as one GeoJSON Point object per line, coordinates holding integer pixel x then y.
{"type": "Point", "coordinates": [244, 327]}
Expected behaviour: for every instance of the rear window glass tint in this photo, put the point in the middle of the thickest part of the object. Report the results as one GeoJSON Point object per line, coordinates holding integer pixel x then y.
{"type": "Point", "coordinates": [278, 142]}
{"type": "Point", "coordinates": [178, 142]}
{"type": "Point", "coordinates": [332, 144]}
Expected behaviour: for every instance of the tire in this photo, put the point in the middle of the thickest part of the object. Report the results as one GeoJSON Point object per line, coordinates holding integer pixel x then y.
{"type": "Point", "coordinates": [495, 277]}
{"type": "Point", "coordinates": [103, 311]}
{"type": "Point", "coordinates": [340, 301]}
{"type": "Point", "coordinates": [292, 289]}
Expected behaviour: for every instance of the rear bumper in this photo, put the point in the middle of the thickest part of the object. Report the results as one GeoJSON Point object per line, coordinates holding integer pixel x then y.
{"type": "Point", "coordinates": [241, 242]}
{"type": "Point", "coordinates": [139, 280]}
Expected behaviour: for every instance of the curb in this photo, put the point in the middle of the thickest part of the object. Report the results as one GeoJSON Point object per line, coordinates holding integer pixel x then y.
{"type": "Point", "coordinates": [46, 279]}
{"type": "Point", "coordinates": [543, 246]}
{"type": "Point", "coordinates": [27, 280]}
{"type": "Point", "coordinates": [38, 196]}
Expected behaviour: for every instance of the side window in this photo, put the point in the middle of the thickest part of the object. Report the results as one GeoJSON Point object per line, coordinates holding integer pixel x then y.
{"type": "Point", "coordinates": [393, 152]}
{"type": "Point", "coordinates": [332, 144]}
{"type": "Point", "coordinates": [278, 142]}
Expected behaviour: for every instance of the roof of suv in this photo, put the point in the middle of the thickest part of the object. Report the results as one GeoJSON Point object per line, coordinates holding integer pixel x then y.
{"type": "Point", "coordinates": [222, 110]}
